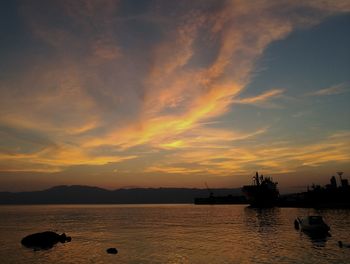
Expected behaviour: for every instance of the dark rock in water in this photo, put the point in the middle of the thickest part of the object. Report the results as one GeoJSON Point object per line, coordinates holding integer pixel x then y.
{"type": "Point", "coordinates": [112, 251]}
{"type": "Point", "coordinates": [44, 240]}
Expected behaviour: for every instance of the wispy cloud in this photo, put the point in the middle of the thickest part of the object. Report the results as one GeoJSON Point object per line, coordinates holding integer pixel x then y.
{"type": "Point", "coordinates": [55, 158]}
{"type": "Point", "coordinates": [172, 170]}
{"type": "Point", "coordinates": [263, 99]}
{"type": "Point", "coordinates": [333, 90]}
{"type": "Point", "coordinates": [278, 157]}
{"type": "Point", "coordinates": [101, 81]}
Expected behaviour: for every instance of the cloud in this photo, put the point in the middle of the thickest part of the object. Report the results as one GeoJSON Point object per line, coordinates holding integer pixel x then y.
{"type": "Point", "coordinates": [262, 99]}
{"type": "Point", "coordinates": [55, 158]}
{"type": "Point", "coordinates": [154, 80]}
{"type": "Point", "coordinates": [224, 159]}
{"type": "Point", "coordinates": [333, 90]}
{"type": "Point", "coordinates": [172, 170]}
{"type": "Point", "coordinates": [206, 138]}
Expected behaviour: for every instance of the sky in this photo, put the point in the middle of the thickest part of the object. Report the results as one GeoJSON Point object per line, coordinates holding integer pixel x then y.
{"type": "Point", "coordinates": [122, 94]}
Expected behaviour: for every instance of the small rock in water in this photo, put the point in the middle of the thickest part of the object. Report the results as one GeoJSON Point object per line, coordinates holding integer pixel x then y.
{"type": "Point", "coordinates": [44, 240]}
{"type": "Point", "coordinates": [112, 251]}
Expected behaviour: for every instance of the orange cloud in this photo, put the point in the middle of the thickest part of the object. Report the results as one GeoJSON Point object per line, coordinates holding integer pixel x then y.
{"type": "Point", "coordinates": [222, 159]}
{"type": "Point", "coordinates": [262, 98]}
{"type": "Point", "coordinates": [92, 91]}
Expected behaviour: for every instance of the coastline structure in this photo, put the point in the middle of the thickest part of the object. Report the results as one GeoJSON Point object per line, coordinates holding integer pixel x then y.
{"type": "Point", "coordinates": [262, 193]}
{"type": "Point", "coordinates": [332, 195]}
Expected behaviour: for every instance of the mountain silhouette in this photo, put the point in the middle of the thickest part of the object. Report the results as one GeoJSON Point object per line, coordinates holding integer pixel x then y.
{"type": "Point", "coordinates": [78, 194]}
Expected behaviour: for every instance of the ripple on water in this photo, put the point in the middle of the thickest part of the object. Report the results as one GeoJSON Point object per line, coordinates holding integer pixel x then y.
{"type": "Point", "coordinates": [171, 234]}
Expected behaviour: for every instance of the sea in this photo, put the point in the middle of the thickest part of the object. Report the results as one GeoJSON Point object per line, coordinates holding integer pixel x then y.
{"type": "Point", "coordinates": [172, 233]}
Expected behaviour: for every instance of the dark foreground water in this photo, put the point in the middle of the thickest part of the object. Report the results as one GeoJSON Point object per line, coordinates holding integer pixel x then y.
{"type": "Point", "coordinates": [171, 234]}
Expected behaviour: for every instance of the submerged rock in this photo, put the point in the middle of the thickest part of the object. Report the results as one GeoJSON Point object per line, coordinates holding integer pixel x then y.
{"type": "Point", "coordinates": [112, 251]}
{"type": "Point", "coordinates": [44, 240]}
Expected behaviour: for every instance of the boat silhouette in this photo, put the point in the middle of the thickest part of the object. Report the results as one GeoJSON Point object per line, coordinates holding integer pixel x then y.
{"type": "Point", "coordinates": [220, 199]}
{"type": "Point", "coordinates": [262, 193]}
{"type": "Point", "coordinates": [332, 195]}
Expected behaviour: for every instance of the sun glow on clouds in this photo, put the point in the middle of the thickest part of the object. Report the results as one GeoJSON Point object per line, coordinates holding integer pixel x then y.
{"type": "Point", "coordinates": [279, 157]}
{"type": "Point", "coordinates": [98, 88]}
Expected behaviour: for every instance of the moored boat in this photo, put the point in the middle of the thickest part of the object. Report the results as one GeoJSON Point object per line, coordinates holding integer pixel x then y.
{"type": "Point", "coordinates": [311, 224]}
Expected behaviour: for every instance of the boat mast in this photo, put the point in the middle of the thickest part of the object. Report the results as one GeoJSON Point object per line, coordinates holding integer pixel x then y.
{"type": "Point", "coordinates": [340, 173]}
{"type": "Point", "coordinates": [211, 194]}
{"type": "Point", "coordinates": [257, 179]}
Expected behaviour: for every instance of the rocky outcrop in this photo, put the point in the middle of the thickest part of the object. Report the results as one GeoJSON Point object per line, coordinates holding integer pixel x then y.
{"type": "Point", "coordinates": [44, 240]}
{"type": "Point", "coordinates": [112, 251]}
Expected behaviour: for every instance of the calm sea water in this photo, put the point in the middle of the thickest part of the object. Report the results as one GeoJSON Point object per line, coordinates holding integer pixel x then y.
{"type": "Point", "coordinates": [171, 234]}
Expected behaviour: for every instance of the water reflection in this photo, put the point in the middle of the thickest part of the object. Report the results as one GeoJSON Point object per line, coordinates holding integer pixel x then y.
{"type": "Point", "coordinates": [314, 228]}
{"type": "Point", "coordinates": [263, 220]}
{"type": "Point", "coordinates": [317, 239]}
{"type": "Point", "coordinates": [172, 234]}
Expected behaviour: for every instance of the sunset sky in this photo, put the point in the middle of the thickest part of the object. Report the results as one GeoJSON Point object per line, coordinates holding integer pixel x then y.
{"type": "Point", "coordinates": [173, 93]}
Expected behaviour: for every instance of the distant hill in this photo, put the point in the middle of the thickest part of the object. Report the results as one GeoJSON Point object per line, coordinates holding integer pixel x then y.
{"type": "Point", "coordinates": [77, 194]}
